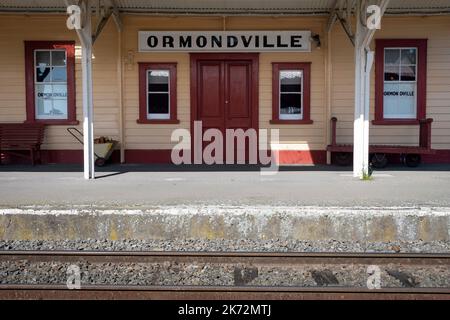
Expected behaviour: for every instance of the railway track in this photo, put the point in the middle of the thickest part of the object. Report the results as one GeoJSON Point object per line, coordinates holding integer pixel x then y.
{"type": "Point", "coordinates": [248, 268]}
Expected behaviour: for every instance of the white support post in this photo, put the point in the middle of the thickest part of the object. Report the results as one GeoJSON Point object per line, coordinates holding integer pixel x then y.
{"type": "Point", "coordinates": [368, 67]}
{"type": "Point", "coordinates": [86, 66]}
{"type": "Point", "coordinates": [364, 58]}
{"type": "Point", "coordinates": [87, 40]}
{"type": "Point", "coordinates": [362, 94]}
{"type": "Point", "coordinates": [358, 125]}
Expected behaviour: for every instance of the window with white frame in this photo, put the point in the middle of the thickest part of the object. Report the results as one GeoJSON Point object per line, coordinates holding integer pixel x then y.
{"type": "Point", "coordinates": [290, 94]}
{"type": "Point", "coordinates": [50, 83]}
{"type": "Point", "coordinates": [400, 83]}
{"type": "Point", "coordinates": [158, 94]}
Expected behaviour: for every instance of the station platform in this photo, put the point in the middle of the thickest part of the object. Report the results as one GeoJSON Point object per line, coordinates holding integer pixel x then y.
{"type": "Point", "coordinates": [224, 209]}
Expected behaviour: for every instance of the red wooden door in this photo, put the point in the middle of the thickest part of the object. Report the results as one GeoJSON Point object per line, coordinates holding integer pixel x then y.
{"type": "Point", "coordinates": [225, 96]}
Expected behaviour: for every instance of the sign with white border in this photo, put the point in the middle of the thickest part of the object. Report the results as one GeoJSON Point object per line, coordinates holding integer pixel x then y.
{"type": "Point", "coordinates": [224, 41]}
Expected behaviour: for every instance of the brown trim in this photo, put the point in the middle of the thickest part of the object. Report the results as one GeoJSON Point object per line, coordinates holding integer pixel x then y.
{"type": "Point", "coordinates": [253, 57]}
{"type": "Point", "coordinates": [421, 45]}
{"type": "Point", "coordinates": [440, 156]}
{"type": "Point", "coordinates": [158, 121]}
{"type": "Point", "coordinates": [163, 156]}
{"type": "Point", "coordinates": [291, 121]}
{"type": "Point", "coordinates": [306, 112]}
{"type": "Point", "coordinates": [148, 156]}
{"type": "Point", "coordinates": [69, 46]}
{"type": "Point", "coordinates": [392, 122]}
{"type": "Point", "coordinates": [143, 67]}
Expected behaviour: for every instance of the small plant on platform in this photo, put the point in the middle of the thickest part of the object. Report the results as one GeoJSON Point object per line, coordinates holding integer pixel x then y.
{"type": "Point", "coordinates": [367, 176]}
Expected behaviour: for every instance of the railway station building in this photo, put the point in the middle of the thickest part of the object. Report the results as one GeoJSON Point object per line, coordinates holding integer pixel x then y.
{"type": "Point", "coordinates": [158, 66]}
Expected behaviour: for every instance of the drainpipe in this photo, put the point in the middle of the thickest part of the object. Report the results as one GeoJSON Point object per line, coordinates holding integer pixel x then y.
{"type": "Point", "coordinates": [328, 92]}
{"type": "Point", "coordinates": [120, 85]}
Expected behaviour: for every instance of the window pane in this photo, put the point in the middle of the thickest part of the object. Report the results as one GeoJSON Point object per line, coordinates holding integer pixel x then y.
{"type": "Point", "coordinates": [158, 103]}
{"type": "Point", "coordinates": [58, 58]}
{"type": "Point", "coordinates": [44, 107]}
{"type": "Point", "coordinates": [44, 91]}
{"type": "Point", "coordinates": [290, 81]}
{"type": "Point", "coordinates": [391, 73]}
{"type": "Point", "coordinates": [158, 80]}
{"type": "Point", "coordinates": [408, 73]}
{"type": "Point", "coordinates": [59, 91]}
{"type": "Point", "coordinates": [399, 100]}
{"type": "Point", "coordinates": [59, 74]}
{"type": "Point", "coordinates": [409, 56]}
{"type": "Point", "coordinates": [43, 74]}
{"type": "Point", "coordinates": [392, 56]}
{"type": "Point", "coordinates": [42, 58]}
{"type": "Point", "coordinates": [407, 100]}
{"type": "Point", "coordinates": [59, 108]}
{"type": "Point", "coordinates": [290, 103]}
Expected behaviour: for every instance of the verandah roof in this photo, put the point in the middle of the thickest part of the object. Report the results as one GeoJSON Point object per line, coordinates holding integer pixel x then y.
{"type": "Point", "coordinates": [294, 7]}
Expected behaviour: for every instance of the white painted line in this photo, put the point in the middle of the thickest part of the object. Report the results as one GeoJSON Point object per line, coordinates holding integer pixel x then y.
{"type": "Point", "coordinates": [229, 211]}
{"type": "Point", "coordinates": [174, 179]}
{"type": "Point", "coordinates": [375, 175]}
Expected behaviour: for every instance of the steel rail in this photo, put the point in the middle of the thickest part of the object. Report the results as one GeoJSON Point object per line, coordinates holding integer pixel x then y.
{"type": "Point", "coordinates": [216, 292]}
{"type": "Point", "coordinates": [40, 291]}
{"type": "Point", "coordinates": [244, 254]}
{"type": "Point", "coordinates": [230, 257]}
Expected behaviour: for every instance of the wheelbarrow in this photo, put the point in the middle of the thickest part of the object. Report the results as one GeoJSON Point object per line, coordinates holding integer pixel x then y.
{"type": "Point", "coordinates": [102, 150]}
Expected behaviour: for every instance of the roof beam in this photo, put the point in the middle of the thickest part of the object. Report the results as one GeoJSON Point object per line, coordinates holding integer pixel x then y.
{"type": "Point", "coordinates": [347, 27]}
{"type": "Point", "coordinates": [116, 15]}
{"type": "Point", "coordinates": [332, 17]}
{"type": "Point", "coordinates": [342, 11]}
{"type": "Point", "coordinates": [101, 23]}
{"type": "Point", "coordinates": [104, 12]}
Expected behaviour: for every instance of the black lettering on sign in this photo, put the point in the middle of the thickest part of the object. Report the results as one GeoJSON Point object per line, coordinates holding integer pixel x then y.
{"type": "Point", "coordinates": [280, 44]}
{"type": "Point", "coordinates": [266, 44]}
{"type": "Point", "coordinates": [391, 93]}
{"type": "Point", "coordinates": [152, 41]}
{"type": "Point", "coordinates": [185, 41]}
{"type": "Point", "coordinates": [167, 41]}
{"type": "Point", "coordinates": [246, 40]}
{"type": "Point", "coordinates": [232, 41]}
{"type": "Point", "coordinates": [401, 93]}
{"type": "Point", "coordinates": [295, 41]}
{"type": "Point", "coordinates": [216, 41]}
{"type": "Point", "coordinates": [201, 41]}
{"type": "Point", "coordinates": [51, 95]}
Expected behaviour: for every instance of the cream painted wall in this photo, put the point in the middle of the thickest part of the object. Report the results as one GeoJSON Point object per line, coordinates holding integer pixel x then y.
{"type": "Point", "coordinates": [436, 30]}
{"type": "Point", "coordinates": [157, 136]}
{"type": "Point", "coordinates": [14, 29]}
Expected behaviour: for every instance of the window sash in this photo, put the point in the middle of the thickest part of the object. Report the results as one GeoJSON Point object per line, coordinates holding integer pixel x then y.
{"type": "Point", "coordinates": [157, 116]}
{"type": "Point", "coordinates": [51, 83]}
{"type": "Point", "coordinates": [295, 116]}
{"type": "Point", "coordinates": [413, 114]}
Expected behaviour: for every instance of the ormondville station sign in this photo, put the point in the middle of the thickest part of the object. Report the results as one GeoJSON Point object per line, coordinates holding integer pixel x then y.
{"type": "Point", "coordinates": [213, 41]}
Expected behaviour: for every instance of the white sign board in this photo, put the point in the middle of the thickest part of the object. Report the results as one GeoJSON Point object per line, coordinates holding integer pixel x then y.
{"type": "Point", "coordinates": [231, 41]}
